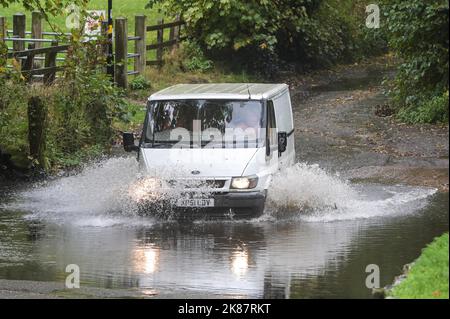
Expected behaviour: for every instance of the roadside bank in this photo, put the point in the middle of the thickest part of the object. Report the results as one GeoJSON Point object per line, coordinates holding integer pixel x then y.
{"type": "Point", "coordinates": [427, 277]}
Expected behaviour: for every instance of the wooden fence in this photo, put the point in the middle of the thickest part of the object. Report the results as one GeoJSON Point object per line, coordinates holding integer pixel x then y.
{"type": "Point", "coordinates": [44, 55]}
{"type": "Point", "coordinates": [48, 72]}
{"type": "Point", "coordinates": [38, 59]}
{"type": "Point", "coordinates": [141, 48]}
{"type": "Point", "coordinates": [174, 38]}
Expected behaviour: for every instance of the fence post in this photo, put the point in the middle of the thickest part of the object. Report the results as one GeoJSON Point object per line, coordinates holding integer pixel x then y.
{"type": "Point", "coordinates": [121, 51]}
{"type": "Point", "coordinates": [104, 44]}
{"type": "Point", "coordinates": [176, 31]}
{"type": "Point", "coordinates": [37, 115]}
{"type": "Point", "coordinates": [19, 25]}
{"type": "Point", "coordinates": [160, 40]}
{"type": "Point", "coordinates": [36, 27]}
{"type": "Point", "coordinates": [36, 31]}
{"type": "Point", "coordinates": [50, 62]}
{"type": "Point", "coordinates": [28, 63]}
{"type": "Point", "coordinates": [140, 31]}
{"type": "Point", "coordinates": [172, 33]}
{"type": "Point", "coordinates": [2, 29]}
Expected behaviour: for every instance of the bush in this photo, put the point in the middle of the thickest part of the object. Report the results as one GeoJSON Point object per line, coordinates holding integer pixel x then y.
{"type": "Point", "coordinates": [309, 32]}
{"type": "Point", "coordinates": [139, 83]}
{"type": "Point", "coordinates": [418, 34]}
{"type": "Point", "coordinates": [259, 61]}
{"type": "Point", "coordinates": [80, 110]}
{"type": "Point", "coordinates": [86, 101]}
{"type": "Point", "coordinates": [13, 120]}
{"type": "Point", "coordinates": [194, 59]}
{"type": "Point", "coordinates": [427, 110]}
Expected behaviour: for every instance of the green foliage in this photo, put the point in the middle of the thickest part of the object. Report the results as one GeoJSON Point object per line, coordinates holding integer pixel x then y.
{"type": "Point", "coordinates": [76, 159]}
{"type": "Point", "coordinates": [310, 32]}
{"type": "Point", "coordinates": [139, 83]}
{"type": "Point", "coordinates": [82, 107]}
{"type": "Point", "coordinates": [418, 34]}
{"type": "Point", "coordinates": [227, 23]}
{"type": "Point", "coordinates": [13, 120]}
{"type": "Point", "coordinates": [433, 109]}
{"type": "Point", "coordinates": [53, 7]}
{"type": "Point", "coordinates": [3, 55]}
{"type": "Point", "coordinates": [79, 124]}
{"type": "Point", "coordinates": [135, 117]}
{"type": "Point", "coordinates": [194, 59]}
{"type": "Point", "coordinates": [428, 277]}
{"type": "Point", "coordinates": [86, 101]}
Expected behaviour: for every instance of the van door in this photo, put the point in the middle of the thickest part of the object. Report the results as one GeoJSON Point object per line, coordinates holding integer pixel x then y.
{"type": "Point", "coordinates": [271, 138]}
{"type": "Point", "coordinates": [285, 123]}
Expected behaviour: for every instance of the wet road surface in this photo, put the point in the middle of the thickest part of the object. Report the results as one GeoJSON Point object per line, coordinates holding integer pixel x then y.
{"type": "Point", "coordinates": [318, 235]}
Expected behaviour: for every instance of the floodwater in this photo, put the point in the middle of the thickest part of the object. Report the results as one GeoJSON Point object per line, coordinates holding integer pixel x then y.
{"type": "Point", "coordinates": [315, 240]}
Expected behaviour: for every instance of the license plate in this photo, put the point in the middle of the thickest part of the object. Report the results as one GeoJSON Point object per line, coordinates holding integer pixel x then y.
{"type": "Point", "coordinates": [195, 202]}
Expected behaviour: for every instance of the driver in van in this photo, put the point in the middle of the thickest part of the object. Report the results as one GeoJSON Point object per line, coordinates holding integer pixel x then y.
{"type": "Point", "coordinates": [244, 120]}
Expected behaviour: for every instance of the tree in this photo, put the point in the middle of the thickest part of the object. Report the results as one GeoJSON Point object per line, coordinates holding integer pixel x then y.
{"type": "Point", "coordinates": [309, 32]}
{"type": "Point", "coordinates": [236, 23]}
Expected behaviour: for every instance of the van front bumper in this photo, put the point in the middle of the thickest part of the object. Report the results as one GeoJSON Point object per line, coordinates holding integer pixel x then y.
{"type": "Point", "coordinates": [240, 199]}
{"type": "Point", "coordinates": [240, 204]}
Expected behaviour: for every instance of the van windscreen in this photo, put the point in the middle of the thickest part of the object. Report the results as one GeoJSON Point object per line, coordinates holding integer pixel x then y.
{"type": "Point", "coordinates": [205, 123]}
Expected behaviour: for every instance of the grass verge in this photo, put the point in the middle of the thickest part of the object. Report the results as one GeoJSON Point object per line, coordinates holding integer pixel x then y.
{"type": "Point", "coordinates": [428, 277]}
{"type": "Point", "coordinates": [126, 9]}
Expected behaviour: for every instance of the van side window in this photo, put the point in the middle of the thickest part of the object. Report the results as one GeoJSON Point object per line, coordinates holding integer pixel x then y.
{"type": "Point", "coordinates": [271, 125]}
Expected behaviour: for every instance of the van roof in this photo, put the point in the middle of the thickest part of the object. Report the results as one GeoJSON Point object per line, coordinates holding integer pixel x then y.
{"type": "Point", "coordinates": [225, 91]}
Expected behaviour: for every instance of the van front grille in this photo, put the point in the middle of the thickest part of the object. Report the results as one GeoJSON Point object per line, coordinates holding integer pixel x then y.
{"type": "Point", "coordinates": [209, 183]}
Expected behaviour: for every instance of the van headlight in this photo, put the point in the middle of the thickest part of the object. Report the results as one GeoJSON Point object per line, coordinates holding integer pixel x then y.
{"type": "Point", "coordinates": [244, 182]}
{"type": "Point", "coordinates": [146, 189]}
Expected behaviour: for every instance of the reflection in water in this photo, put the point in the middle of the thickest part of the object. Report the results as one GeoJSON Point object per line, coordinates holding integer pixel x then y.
{"type": "Point", "coordinates": [283, 259]}
{"type": "Point", "coordinates": [239, 262]}
{"type": "Point", "coordinates": [146, 260]}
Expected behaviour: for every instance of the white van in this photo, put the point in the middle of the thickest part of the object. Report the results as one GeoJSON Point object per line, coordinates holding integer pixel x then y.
{"type": "Point", "coordinates": [221, 142]}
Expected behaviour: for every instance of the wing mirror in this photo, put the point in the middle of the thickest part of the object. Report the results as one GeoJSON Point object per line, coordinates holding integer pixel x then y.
{"type": "Point", "coordinates": [282, 142]}
{"type": "Point", "coordinates": [128, 142]}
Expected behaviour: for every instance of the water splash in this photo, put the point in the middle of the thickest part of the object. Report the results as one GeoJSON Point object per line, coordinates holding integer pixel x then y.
{"type": "Point", "coordinates": [305, 187]}
{"type": "Point", "coordinates": [309, 193]}
{"type": "Point", "coordinates": [99, 197]}
{"type": "Point", "coordinates": [92, 197]}
{"type": "Point", "coordinates": [105, 194]}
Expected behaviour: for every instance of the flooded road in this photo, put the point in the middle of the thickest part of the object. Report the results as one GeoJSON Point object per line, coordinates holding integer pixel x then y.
{"type": "Point", "coordinates": [325, 222]}
{"type": "Point", "coordinates": [317, 251]}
